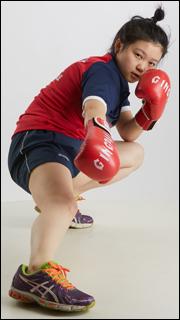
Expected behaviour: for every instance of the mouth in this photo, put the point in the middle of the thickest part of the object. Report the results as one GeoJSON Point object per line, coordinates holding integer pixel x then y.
{"type": "Point", "coordinates": [135, 76]}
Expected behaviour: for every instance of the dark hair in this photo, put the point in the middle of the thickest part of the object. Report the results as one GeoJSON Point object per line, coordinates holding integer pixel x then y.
{"type": "Point", "coordinates": [139, 28]}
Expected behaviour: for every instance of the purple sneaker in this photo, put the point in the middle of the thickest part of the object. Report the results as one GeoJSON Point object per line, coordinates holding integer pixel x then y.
{"type": "Point", "coordinates": [81, 221]}
{"type": "Point", "coordinates": [49, 288]}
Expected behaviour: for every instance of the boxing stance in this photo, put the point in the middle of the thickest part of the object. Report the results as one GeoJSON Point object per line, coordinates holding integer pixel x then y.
{"type": "Point", "coordinates": [62, 146]}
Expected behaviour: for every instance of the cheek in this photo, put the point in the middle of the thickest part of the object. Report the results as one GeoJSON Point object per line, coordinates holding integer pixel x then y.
{"type": "Point", "coordinates": [131, 60]}
{"type": "Point", "coordinates": [127, 65]}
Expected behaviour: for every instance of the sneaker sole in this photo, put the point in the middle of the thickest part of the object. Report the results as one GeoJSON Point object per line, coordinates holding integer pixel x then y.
{"type": "Point", "coordinates": [75, 225]}
{"type": "Point", "coordinates": [31, 298]}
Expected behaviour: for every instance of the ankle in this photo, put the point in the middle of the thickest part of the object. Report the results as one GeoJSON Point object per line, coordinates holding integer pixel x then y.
{"type": "Point", "coordinates": [32, 268]}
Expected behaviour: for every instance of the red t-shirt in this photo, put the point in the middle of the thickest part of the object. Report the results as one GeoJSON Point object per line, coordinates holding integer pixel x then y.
{"type": "Point", "coordinates": [58, 106]}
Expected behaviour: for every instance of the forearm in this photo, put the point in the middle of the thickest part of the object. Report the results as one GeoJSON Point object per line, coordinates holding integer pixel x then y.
{"type": "Point", "coordinates": [93, 109]}
{"type": "Point", "coordinates": [131, 130]}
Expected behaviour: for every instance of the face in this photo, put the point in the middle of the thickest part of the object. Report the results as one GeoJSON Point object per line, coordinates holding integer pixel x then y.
{"type": "Point", "coordinates": [137, 58]}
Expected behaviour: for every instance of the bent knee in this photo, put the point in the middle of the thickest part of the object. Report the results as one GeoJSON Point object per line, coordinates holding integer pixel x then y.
{"type": "Point", "coordinates": [59, 201]}
{"type": "Point", "coordinates": [66, 200]}
{"type": "Point", "coordinates": [138, 154]}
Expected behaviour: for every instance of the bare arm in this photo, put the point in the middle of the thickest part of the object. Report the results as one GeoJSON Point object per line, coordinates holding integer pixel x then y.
{"type": "Point", "coordinates": [94, 108]}
{"type": "Point", "coordinates": [127, 127]}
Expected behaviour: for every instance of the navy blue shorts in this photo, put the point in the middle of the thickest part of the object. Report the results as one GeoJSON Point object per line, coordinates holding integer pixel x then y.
{"type": "Point", "coordinates": [31, 148]}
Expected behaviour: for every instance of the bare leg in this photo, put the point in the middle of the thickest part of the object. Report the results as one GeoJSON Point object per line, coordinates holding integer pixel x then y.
{"type": "Point", "coordinates": [52, 190]}
{"type": "Point", "coordinates": [131, 157]}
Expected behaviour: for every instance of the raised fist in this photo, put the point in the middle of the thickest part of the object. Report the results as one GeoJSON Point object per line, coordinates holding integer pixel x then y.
{"type": "Point", "coordinates": [154, 89]}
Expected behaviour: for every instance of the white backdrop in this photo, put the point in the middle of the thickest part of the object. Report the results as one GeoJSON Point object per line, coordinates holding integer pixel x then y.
{"type": "Point", "coordinates": [40, 39]}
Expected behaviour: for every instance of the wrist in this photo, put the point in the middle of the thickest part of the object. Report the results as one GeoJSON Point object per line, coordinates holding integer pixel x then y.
{"type": "Point", "coordinates": [100, 123]}
{"type": "Point", "coordinates": [91, 111]}
{"type": "Point", "coordinates": [137, 125]}
{"type": "Point", "coordinates": [142, 119]}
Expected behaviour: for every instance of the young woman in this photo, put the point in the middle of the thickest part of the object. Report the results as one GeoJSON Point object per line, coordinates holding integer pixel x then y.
{"type": "Point", "coordinates": [62, 147]}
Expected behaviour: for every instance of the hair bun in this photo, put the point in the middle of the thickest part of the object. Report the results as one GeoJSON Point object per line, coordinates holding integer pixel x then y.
{"type": "Point", "coordinates": [158, 15]}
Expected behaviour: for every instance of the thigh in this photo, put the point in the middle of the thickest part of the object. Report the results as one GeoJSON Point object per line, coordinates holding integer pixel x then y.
{"type": "Point", "coordinates": [130, 153]}
{"type": "Point", "coordinates": [51, 182]}
{"type": "Point", "coordinates": [33, 148]}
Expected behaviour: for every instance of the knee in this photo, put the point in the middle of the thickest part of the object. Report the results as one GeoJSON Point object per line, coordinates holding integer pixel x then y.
{"type": "Point", "coordinates": [138, 155]}
{"type": "Point", "coordinates": [70, 203]}
{"type": "Point", "coordinates": [65, 201]}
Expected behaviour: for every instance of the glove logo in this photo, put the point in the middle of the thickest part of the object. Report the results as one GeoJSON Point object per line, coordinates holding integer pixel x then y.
{"type": "Point", "coordinates": [98, 164]}
{"type": "Point", "coordinates": [164, 84]}
{"type": "Point", "coordinates": [105, 153]}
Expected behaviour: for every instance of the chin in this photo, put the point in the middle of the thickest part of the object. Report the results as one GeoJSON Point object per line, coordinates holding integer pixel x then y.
{"type": "Point", "coordinates": [132, 81]}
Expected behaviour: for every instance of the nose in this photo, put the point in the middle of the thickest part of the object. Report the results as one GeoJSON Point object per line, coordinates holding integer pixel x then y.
{"type": "Point", "coordinates": [141, 67]}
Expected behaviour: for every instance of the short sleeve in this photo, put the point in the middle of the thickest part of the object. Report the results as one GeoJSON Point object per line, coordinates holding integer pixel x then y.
{"type": "Point", "coordinates": [125, 105]}
{"type": "Point", "coordinates": [99, 82]}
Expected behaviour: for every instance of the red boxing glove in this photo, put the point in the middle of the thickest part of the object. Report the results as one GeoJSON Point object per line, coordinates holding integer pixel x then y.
{"type": "Point", "coordinates": [98, 157]}
{"type": "Point", "coordinates": [153, 88]}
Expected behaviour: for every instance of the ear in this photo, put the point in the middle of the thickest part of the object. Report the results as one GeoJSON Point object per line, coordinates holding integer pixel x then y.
{"type": "Point", "coordinates": [118, 46]}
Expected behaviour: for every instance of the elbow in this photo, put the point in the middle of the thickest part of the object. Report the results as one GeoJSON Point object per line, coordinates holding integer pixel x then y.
{"type": "Point", "coordinates": [128, 138]}
{"type": "Point", "coordinates": [129, 134]}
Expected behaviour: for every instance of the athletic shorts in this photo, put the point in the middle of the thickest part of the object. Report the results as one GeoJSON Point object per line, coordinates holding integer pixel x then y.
{"type": "Point", "coordinates": [32, 148]}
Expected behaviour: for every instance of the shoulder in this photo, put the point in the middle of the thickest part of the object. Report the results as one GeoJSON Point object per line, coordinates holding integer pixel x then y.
{"type": "Point", "coordinates": [97, 63]}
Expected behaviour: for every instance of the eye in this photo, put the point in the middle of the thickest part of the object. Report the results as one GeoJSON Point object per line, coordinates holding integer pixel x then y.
{"type": "Point", "coordinates": [139, 56]}
{"type": "Point", "coordinates": [152, 64]}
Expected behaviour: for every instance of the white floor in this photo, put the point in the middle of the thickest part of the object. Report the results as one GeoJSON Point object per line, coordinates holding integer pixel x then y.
{"type": "Point", "coordinates": [128, 260]}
